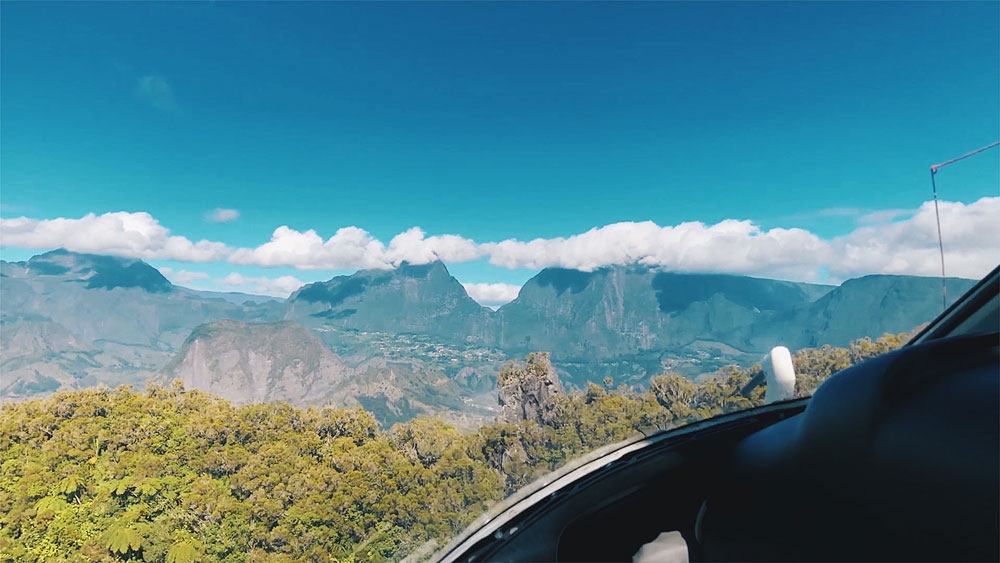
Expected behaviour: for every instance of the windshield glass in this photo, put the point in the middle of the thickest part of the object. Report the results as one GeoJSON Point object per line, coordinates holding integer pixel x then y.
{"type": "Point", "coordinates": [326, 281]}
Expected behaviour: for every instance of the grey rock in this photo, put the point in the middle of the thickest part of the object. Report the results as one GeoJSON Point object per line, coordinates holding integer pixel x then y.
{"type": "Point", "coordinates": [529, 391]}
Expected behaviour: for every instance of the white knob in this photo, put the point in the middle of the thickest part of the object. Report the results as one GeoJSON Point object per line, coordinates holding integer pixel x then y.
{"type": "Point", "coordinates": [780, 374]}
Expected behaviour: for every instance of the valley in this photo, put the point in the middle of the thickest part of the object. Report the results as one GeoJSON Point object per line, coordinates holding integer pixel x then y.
{"type": "Point", "coordinates": [410, 340]}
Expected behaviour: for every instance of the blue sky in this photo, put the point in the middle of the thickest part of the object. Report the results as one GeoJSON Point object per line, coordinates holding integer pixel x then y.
{"type": "Point", "coordinates": [490, 121]}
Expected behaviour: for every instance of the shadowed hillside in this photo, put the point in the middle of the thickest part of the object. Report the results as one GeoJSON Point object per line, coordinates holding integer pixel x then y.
{"type": "Point", "coordinates": [412, 338]}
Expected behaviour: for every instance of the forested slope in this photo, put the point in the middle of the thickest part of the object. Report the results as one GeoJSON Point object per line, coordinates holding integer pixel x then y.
{"type": "Point", "coordinates": [179, 475]}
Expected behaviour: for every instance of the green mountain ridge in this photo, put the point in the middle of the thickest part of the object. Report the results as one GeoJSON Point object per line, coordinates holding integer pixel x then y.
{"type": "Point", "coordinates": [879, 304]}
{"type": "Point", "coordinates": [618, 311]}
{"type": "Point", "coordinates": [420, 299]}
{"type": "Point", "coordinates": [411, 340]}
{"type": "Point", "coordinates": [72, 320]}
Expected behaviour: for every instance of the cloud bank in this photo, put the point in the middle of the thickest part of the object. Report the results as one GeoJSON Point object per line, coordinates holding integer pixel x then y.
{"type": "Point", "coordinates": [492, 294]}
{"type": "Point", "coordinates": [131, 235]}
{"type": "Point", "coordinates": [730, 246]}
{"type": "Point", "coordinates": [182, 277]}
{"type": "Point", "coordinates": [354, 248]}
{"type": "Point", "coordinates": [893, 241]}
{"type": "Point", "coordinates": [274, 287]}
{"type": "Point", "coordinates": [880, 245]}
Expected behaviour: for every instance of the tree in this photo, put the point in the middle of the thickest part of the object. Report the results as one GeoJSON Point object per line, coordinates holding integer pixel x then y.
{"type": "Point", "coordinates": [673, 391]}
{"type": "Point", "coordinates": [180, 475]}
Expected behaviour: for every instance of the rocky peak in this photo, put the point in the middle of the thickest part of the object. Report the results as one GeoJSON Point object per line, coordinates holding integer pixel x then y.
{"type": "Point", "coordinates": [97, 271]}
{"type": "Point", "coordinates": [430, 270]}
{"type": "Point", "coordinates": [412, 298]}
{"type": "Point", "coordinates": [528, 391]}
{"type": "Point", "coordinates": [255, 362]}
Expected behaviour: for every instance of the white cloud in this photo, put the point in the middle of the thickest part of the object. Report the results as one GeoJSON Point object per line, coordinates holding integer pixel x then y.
{"type": "Point", "coordinates": [971, 234]}
{"type": "Point", "coordinates": [134, 235]}
{"type": "Point", "coordinates": [222, 215]}
{"type": "Point", "coordinates": [413, 247]}
{"type": "Point", "coordinates": [182, 277]}
{"type": "Point", "coordinates": [157, 92]}
{"type": "Point", "coordinates": [728, 246]}
{"type": "Point", "coordinates": [891, 241]}
{"type": "Point", "coordinates": [492, 294]}
{"type": "Point", "coordinates": [881, 245]}
{"type": "Point", "coordinates": [348, 248]}
{"type": "Point", "coordinates": [352, 247]}
{"type": "Point", "coordinates": [275, 287]}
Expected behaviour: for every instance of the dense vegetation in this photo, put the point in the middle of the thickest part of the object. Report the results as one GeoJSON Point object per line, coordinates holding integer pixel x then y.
{"type": "Point", "coordinates": [603, 414]}
{"type": "Point", "coordinates": [179, 476]}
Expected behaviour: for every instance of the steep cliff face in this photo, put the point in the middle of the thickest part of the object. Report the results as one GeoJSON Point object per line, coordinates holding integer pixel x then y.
{"type": "Point", "coordinates": [625, 310]}
{"type": "Point", "coordinates": [247, 362]}
{"type": "Point", "coordinates": [529, 391]}
{"type": "Point", "coordinates": [73, 320]}
{"type": "Point", "coordinates": [628, 311]}
{"type": "Point", "coordinates": [257, 362]}
{"type": "Point", "coordinates": [865, 306]}
{"type": "Point", "coordinates": [582, 314]}
{"type": "Point", "coordinates": [419, 299]}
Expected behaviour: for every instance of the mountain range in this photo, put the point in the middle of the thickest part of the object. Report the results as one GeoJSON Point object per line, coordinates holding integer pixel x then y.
{"type": "Point", "coordinates": [409, 340]}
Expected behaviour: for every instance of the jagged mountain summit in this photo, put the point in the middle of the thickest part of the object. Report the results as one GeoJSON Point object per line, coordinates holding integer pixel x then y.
{"type": "Point", "coordinates": [93, 271]}
{"type": "Point", "coordinates": [631, 322]}
{"type": "Point", "coordinates": [874, 305]}
{"type": "Point", "coordinates": [625, 310]}
{"type": "Point", "coordinates": [417, 299]}
{"type": "Point", "coordinates": [411, 339]}
{"type": "Point", "coordinates": [73, 320]}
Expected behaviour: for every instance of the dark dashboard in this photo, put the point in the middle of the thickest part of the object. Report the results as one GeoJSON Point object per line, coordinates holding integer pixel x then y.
{"type": "Point", "coordinates": [897, 458]}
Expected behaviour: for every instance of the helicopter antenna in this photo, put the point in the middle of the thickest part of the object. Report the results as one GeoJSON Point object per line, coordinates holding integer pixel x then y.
{"type": "Point", "coordinates": [937, 214]}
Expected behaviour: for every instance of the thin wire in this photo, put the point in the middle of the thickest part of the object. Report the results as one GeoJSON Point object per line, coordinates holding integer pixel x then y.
{"type": "Point", "coordinates": [937, 215]}
{"type": "Point", "coordinates": [967, 155]}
